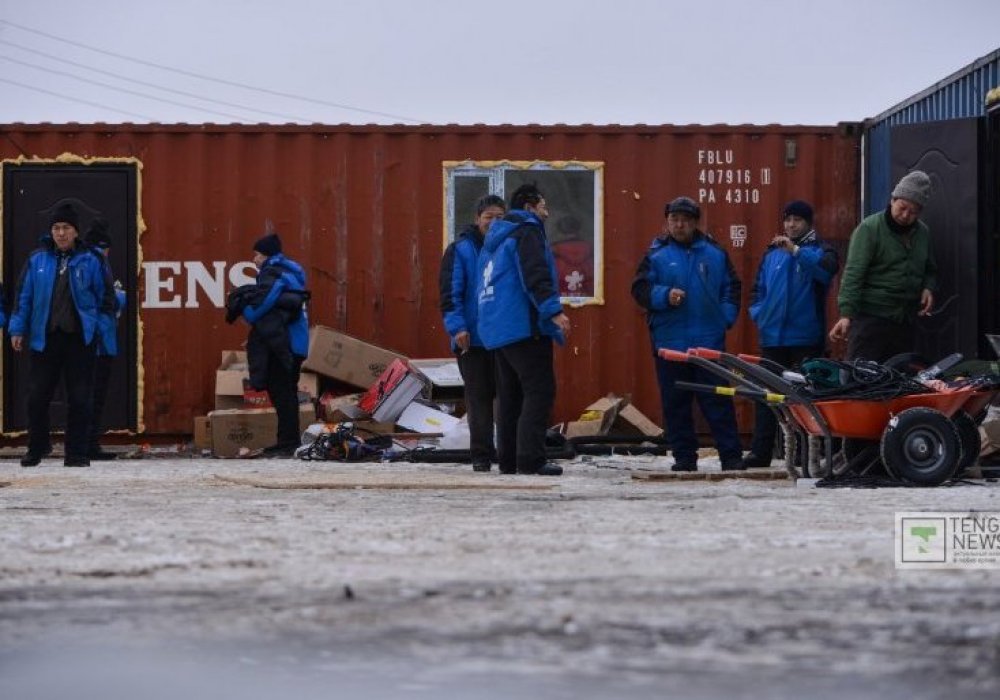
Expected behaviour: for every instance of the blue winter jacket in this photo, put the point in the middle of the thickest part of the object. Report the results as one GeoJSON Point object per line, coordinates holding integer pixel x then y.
{"type": "Point", "coordinates": [459, 305]}
{"type": "Point", "coordinates": [788, 299]}
{"type": "Point", "coordinates": [292, 278]}
{"type": "Point", "coordinates": [712, 293]}
{"type": "Point", "coordinates": [516, 285]}
{"type": "Point", "coordinates": [33, 299]}
{"type": "Point", "coordinates": [3, 313]}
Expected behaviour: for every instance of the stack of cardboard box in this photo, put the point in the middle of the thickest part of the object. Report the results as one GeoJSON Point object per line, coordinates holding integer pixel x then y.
{"type": "Point", "coordinates": [243, 419]}
{"type": "Point", "coordinates": [403, 394]}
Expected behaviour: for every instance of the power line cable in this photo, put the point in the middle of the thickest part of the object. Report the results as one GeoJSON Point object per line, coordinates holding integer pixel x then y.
{"type": "Point", "coordinates": [148, 84]}
{"type": "Point", "coordinates": [76, 99]}
{"type": "Point", "coordinates": [199, 76]}
{"type": "Point", "coordinates": [144, 95]}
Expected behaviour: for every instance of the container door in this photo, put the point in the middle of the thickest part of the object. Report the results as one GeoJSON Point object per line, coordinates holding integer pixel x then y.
{"type": "Point", "coordinates": [948, 151]}
{"type": "Point", "coordinates": [30, 191]}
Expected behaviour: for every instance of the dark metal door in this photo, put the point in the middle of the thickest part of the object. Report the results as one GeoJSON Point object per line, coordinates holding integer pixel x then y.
{"type": "Point", "coordinates": [30, 191]}
{"type": "Point", "coordinates": [948, 151]}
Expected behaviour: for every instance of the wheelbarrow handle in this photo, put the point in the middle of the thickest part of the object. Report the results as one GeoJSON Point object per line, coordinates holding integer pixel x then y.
{"type": "Point", "coordinates": [706, 353]}
{"type": "Point", "coordinates": [672, 355]}
{"type": "Point", "coordinates": [753, 359]}
{"type": "Point", "coordinates": [765, 397]}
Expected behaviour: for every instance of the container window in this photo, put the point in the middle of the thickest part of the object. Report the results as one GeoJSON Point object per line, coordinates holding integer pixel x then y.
{"type": "Point", "coordinates": [574, 193]}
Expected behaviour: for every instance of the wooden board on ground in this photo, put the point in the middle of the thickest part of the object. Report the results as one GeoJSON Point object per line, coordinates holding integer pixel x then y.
{"type": "Point", "coordinates": [430, 482]}
{"type": "Point", "coordinates": [755, 475]}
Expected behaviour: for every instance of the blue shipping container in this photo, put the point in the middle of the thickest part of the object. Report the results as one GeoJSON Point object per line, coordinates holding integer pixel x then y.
{"type": "Point", "coordinates": [961, 94]}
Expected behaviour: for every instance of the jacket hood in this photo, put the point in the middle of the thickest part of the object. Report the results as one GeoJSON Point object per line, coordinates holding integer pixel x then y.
{"type": "Point", "coordinates": [472, 233]}
{"type": "Point", "coordinates": [501, 229]}
{"type": "Point", "coordinates": [289, 266]}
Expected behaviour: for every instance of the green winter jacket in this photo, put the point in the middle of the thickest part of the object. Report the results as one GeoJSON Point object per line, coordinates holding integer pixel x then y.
{"type": "Point", "coordinates": [883, 276]}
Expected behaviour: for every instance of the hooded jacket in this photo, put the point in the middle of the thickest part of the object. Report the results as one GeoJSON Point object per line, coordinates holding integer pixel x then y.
{"type": "Point", "coordinates": [712, 293]}
{"type": "Point", "coordinates": [459, 305]}
{"type": "Point", "coordinates": [516, 283]}
{"type": "Point", "coordinates": [788, 299]}
{"type": "Point", "coordinates": [279, 275]}
{"type": "Point", "coordinates": [33, 298]}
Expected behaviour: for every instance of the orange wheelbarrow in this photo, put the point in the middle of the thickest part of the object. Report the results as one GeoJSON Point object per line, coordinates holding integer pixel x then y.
{"type": "Point", "coordinates": [923, 439]}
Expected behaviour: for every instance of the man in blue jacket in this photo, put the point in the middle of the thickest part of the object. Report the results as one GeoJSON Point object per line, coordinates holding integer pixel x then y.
{"type": "Point", "coordinates": [61, 293]}
{"type": "Point", "coordinates": [691, 295]}
{"type": "Point", "coordinates": [279, 338]}
{"type": "Point", "coordinates": [519, 316]}
{"type": "Point", "coordinates": [460, 310]}
{"type": "Point", "coordinates": [106, 343]}
{"type": "Point", "coordinates": [788, 305]}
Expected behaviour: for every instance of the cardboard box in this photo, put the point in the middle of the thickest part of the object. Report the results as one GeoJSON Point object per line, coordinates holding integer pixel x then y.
{"type": "Point", "coordinates": [597, 418]}
{"type": "Point", "coordinates": [441, 377]}
{"type": "Point", "coordinates": [233, 430]}
{"type": "Point", "coordinates": [632, 421]}
{"type": "Point", "coordinates": [202, 433]}
{"type": "Point", "coordinates": [233, 372]}
{"type": "Point", "coordinates": [347, 359]}
{"type": "Point", "coordinates": [424, 419]}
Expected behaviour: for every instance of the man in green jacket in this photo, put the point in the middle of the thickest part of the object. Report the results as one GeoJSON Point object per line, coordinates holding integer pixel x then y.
{"type": "Point", "coordinates": [889, 277]}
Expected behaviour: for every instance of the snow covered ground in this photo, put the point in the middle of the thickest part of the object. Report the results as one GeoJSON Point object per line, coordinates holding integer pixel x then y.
{"type": "Point", "coordinates": [268, 579]}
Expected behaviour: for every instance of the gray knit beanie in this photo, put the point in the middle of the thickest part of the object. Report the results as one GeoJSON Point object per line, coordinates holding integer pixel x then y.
{"type": "Point", "coordinates": [914, 187]}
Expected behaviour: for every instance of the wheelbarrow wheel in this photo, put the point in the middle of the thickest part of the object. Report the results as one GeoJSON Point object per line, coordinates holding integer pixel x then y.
{"type": "Point", "coordinates": [921, 446]}
{"type": "Point", "coordinates": [968, 435]}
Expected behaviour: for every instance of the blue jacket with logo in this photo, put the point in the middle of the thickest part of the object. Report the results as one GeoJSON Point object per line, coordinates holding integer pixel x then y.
{"type": "Point", "coordinates": [33, 299]}
{"type": "Point", "coordinates": [788, 299]}
{"type": "Point", "coordinates": [516, 285]}
{"type": "Point", "coordinates": [283, 275]}
{"type": "Point", "coordinates": [459, 274]}
{"type": "Point", "coordinates": [712, 293]}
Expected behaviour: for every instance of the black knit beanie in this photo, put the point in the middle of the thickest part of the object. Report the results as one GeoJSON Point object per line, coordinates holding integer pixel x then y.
{"type": "Point", "coordinates": [65, 214]}
{"type": "Point", "coordinates": [800, 209]}
{"type": "Point", "coordinates": [268, 245]}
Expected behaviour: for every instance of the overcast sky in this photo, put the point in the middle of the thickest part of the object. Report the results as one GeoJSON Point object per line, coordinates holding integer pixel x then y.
{"type": "Point", "coordinates": [466, 62]}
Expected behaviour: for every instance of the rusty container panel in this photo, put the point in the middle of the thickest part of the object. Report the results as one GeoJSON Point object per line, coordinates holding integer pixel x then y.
{"type": "Point", "coordinates": [362, 209]}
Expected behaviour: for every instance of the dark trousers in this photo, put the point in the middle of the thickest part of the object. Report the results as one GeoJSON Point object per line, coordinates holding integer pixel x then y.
{"type": "Point", "coordinates": [478, 373]}
{"type": "Point", "coordinates": [526, 391]}
{"type": "Point", "coordinates": [878, 339]}
{"type": "Point", "coordinates": [283, 390]}
{"type": "Point", "coordinates": [679, 420]}
{"type": "Point", "coordinates": [65, 357]}
{"type": "Point", "coordinates": [765, 424]}
{"type": "Point", "coordinates": [102, 375]}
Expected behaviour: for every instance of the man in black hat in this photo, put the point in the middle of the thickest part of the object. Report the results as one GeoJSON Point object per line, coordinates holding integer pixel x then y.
{"type": "Point", "coordinates": [279, 337]}
{"type": "Point", "coordinates": [691, 294]}
{"type": "Point", "coordinates": [106, 344]}
{"type": "Point", "coordinates": [61, 293]}
{"type": "Point", "coordinates": [788, 304]}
